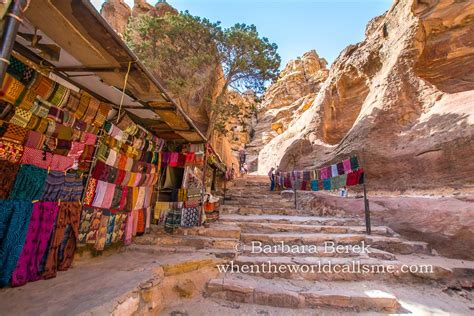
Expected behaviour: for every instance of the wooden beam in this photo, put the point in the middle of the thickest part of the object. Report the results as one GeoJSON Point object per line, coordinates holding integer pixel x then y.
{"type": "Point", "coordinates": [136, 107]}
{"type": "Point", "coordinates": [89, 69]}
{"type": "Point", "coordinates": [159, 103]}
{"type": "Point", "coordinates": [164, 108]}
{"type": "Point", "coordinates": [170, 130]}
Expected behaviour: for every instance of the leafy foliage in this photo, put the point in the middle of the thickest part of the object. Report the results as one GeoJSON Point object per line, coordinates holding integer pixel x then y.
{"type": "Point", "coordinates": [181, 46]}
{"type": "Point", "coordinates": [178, 46]}
{"type": "Point", "coordinates": [248, 61]}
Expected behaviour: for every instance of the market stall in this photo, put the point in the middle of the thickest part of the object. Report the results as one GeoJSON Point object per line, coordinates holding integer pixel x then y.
{"type": "Point", "coordinates": [86, 164]}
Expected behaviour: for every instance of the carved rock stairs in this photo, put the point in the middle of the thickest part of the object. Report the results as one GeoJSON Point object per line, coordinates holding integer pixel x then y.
{"type": "Point", "coordinates": [323, 263]}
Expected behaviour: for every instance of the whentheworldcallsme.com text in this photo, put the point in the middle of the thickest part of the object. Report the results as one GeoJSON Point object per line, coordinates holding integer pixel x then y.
{"type": "Point", "coordinates": [322, 267]}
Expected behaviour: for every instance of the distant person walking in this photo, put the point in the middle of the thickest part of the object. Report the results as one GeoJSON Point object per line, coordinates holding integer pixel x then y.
{"type": "Point", "coordinates": [242, 156]}
{"type": "Point", "coordinates": [271, 176]}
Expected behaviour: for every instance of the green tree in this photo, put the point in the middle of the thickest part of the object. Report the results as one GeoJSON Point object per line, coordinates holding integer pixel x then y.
{"type": "Point", "coordinates": [177, 46]}
{"type": "Point", "coordinates": [248, 62]}
{"type": "Point", "coordinates": [180, 46]}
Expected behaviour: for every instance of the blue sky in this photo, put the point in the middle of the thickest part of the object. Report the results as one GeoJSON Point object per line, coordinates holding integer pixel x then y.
{"type": "Point", "coordinates": [297, 26]}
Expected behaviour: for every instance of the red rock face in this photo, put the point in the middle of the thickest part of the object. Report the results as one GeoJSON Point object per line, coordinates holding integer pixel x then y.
{"type": "Point", "coordinates": [288, 98]}
{"type": "Point", "coordinates": [403, 100]}
{"type": "Point", "coordinates": [447, 32]}
{"type": "Point", "coordinates": [141, 7]}
{"type": "Point", "coordinates": [117, 13]}
{"type": "Point", "coordinates": [162, 8]}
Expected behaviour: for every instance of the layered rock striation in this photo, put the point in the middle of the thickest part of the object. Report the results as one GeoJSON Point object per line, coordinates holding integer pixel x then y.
{"type": "Point", "coordinates": [403, 100]}
{"type": "Point", "coordinates": [285, 100]}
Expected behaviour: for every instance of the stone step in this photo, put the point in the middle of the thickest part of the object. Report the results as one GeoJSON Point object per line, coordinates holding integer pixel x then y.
{"type": "Point", "coordinates": [219, 230]}
{"type": "Point", "coordinates": [250, 184]}
{"type": "Point", "coordinates": [258, 197]}
{"type": "Point", "coordinates": [289, 296]}
{"type": "Point", "coordinates": [252, 202]}
{"type": "Point", "coordinates": [160, 250]}
{"type": "Point", "coordinates": [338, 268]}
{"type": "Point", "coordinates": [390, 244]}
{"type": "Point", "coordinates": [285, 219]}
{"type": "Point", "coordinates": [198, 242]}
{"type": "Point", "coordinates": [257, 250]}
{"type": "Point", "coordinates": [269, 210]}
{"type": "Point", "coordinates": [257, 227]}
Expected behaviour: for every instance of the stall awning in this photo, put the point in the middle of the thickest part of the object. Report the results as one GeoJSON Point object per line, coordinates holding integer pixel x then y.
{"type": "Point", "coordinates": [94, 57]}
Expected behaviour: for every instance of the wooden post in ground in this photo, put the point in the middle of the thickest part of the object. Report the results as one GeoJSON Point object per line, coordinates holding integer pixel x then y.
{"type": "Point", "coordinates": [368, 227]}
{"type": "Point", "coordinates": [296, 201]}
{"type": "Point", "coordinates": [225, 181]}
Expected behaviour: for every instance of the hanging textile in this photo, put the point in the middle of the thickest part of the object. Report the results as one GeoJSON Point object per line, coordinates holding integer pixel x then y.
{"type": "Point", "coordinates": [110, 229]}
{"type": "Point", "coordinates": [190, 217]}
{"type": "Point", "coordinates": [10, 151]}
{"type": "Point", "coordinates": [72, 188]}
{"type": "Point", "coordinates": [354, 163]}
{"type": "Point", "coordinates": [338, 182]}
{"type": "Point", "coordinates": [119, 227]}
{"type": "Point", "coordinates": [8, 172]}
{"type": "Point", "coordinates": [334, 172]}
{"type": "Point", "coordinates": [347, 165]}
{"type": "Point", "coordinates": [14, 134]}
{"type": "Point", "coordinates": [14, 221]}
{"type": "Point", "coordinates": [129, 229]}
{"type": "Point", "coordinates": [64, 239]}
{"type": "Point", "coordinates": [101, 238]}
{"type": "Point", "coordinates": [340, 168]}
{"type": "Point", "coordinates": [53, 186]}
{"type": "Point", "coordinates": [141, 221]}
{"type": "Point", "coordinates": [173, 220]}
{"type": "Point", "coordinates": [327, 184]}
{"type": "Point", "coordinates": [86, 218]}
{"type": "Point", "coordinates": [39, 232]}
{"type": "Point", "coordinates": [29, 183]}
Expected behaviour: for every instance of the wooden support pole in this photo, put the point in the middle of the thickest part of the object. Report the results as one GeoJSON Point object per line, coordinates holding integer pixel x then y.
{"type": "Point", "coordinates": [203, 192]}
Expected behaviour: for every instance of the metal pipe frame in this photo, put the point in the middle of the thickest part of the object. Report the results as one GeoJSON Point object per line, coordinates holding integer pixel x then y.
{"type": "Point", "coordinates": [13, 20]}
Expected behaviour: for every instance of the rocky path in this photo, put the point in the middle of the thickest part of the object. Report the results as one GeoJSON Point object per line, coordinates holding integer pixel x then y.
{"type": "Point", "coordinates": [263, 257]}
{"type": "Point", "coordinates": [282, 261]}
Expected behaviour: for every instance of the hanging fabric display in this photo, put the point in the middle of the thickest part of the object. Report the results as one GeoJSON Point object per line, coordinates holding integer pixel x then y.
{"type": "Point", "coordinates": [64, 239]}
{"type": "Point", "coordinates": [39, 232]}
{"type": "Point", "coordinates": [336, 176]}
{"type": "Point", "coordinates": [121, 182]}
{"type": "Point", "coordinates": [69, 178]}
{"type": "Point", "coordinates": [14, 221]}
{"type": "Point", "coordinates": [43, 146]}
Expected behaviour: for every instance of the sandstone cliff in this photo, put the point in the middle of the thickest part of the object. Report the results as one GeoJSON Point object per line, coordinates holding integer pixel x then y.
{"type": "Point", "coordinates": [286, 99]}
{"type": "Point", "coordinates": [240, 126]}
{"type": "Point", "coordinates": [403, 100]}
{"type": "Point", "coordinates": [117, 13]}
